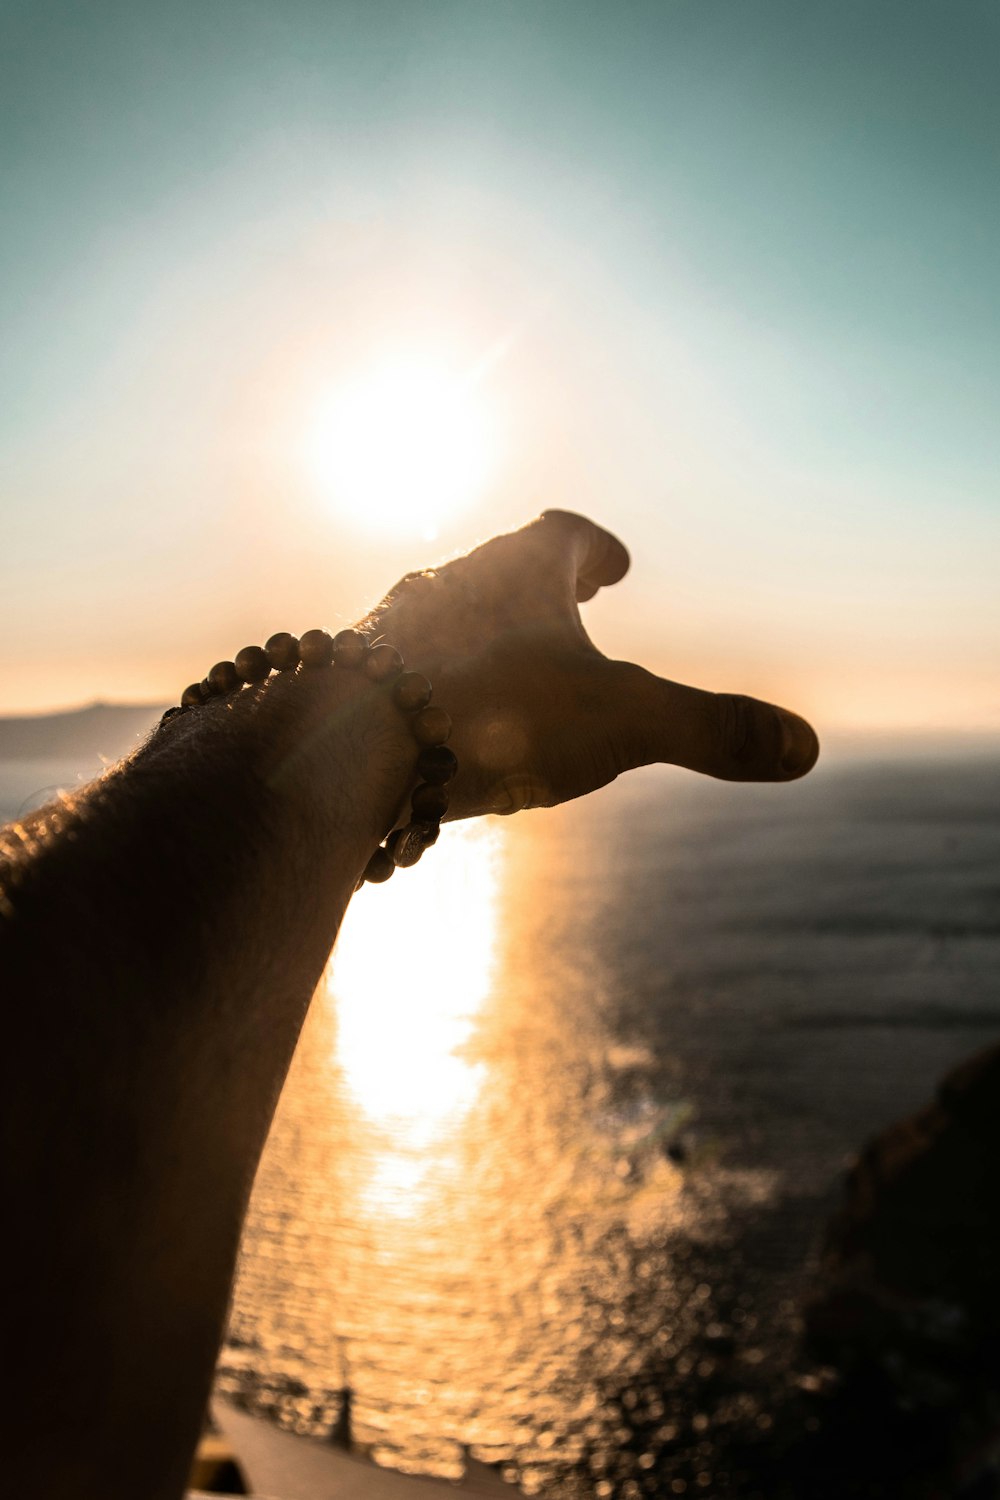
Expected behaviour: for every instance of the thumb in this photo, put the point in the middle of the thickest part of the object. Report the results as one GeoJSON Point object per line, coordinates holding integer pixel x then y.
{"type": "Point", "coordinates": [719, 734]}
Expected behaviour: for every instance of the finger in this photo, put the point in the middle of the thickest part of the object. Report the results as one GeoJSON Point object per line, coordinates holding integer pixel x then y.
{"type": "Point", "coordinates": [719, 734]}
{"type": "Point", "coordinates": [596, 556]}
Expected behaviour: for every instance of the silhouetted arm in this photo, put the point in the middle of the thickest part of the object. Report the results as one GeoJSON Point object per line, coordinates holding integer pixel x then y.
{"type": "Point", "coordinates": [161, 937]}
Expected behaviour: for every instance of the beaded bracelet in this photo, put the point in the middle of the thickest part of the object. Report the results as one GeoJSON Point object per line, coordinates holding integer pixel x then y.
{"type": "Point", "coordinates": [411, 692]}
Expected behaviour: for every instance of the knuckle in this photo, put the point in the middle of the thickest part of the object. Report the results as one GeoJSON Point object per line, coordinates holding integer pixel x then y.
{"type": "Point", "coordinates": [750, 736]}
{"type": "Point", "coordinates": [734, 725]}
{"type": "Point", "coordinates": [410, 581]}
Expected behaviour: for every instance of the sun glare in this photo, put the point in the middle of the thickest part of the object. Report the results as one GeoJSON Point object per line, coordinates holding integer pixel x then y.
{"type": "Point", "coordinates": [404, 1009]}
{"type": "Point", "coordinates": [402, 448]}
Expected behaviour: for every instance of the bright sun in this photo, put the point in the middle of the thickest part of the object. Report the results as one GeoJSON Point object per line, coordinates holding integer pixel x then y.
{"type": "Point", "coordinates": [402, 448]}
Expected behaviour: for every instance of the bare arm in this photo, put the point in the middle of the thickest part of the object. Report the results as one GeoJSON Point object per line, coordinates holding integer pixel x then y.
{"type": "Point", "coordinates": [161, 936]}
{"type": "Point", "coordinates": [161, 941]}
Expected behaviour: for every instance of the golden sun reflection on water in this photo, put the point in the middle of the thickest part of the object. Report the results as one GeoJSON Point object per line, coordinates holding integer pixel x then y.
{"type": "Point", "coordinates": [466, 1212]}
{"type": "Point", "coordinates": [408, 973]}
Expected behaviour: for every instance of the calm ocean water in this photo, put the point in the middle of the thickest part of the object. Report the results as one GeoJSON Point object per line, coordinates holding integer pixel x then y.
{"type": "Point", "coordinates": [574, 1102]}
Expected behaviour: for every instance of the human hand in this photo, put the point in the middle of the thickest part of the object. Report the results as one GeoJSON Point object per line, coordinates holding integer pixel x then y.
{"type": "Point", "coordinates": [540, 715]}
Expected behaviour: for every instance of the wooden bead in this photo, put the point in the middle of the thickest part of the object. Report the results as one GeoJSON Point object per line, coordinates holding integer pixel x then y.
{"type": "Point", "coordinates": [282, 651]}
{"type": "Point", "coordinates": [252, 664]}
{"type": "Point", "coordinates": [379, 867]}
{"type": "Point", "coordinates": [316, 648]}
{"type": "Point", "coordinates": [193, 695]}
{"type": "Point", "coordinates": [429, 803]}
{"type": "Point", "coordinates": [411, 691]}
{"type": "Point", "coordinates": [436, 764]}
{"type": "Point", "coordinates": [349, 648]}
{"type": "Point", "coordinates": [382, 662]}
{"type": "Point", "coordinates": [223, 677]}
{"type": "Point", "coordinates": [431, 726]}
{"type": "Point", "coordinates": [406, 845]}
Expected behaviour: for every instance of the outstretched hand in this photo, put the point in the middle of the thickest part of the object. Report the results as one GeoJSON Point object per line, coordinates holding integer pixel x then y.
{"type": "Point", "coordinates": [540, 715]}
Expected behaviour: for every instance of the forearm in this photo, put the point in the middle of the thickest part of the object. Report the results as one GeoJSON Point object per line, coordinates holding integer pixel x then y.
{"type": "Point", "coordinates": [143, 1071]}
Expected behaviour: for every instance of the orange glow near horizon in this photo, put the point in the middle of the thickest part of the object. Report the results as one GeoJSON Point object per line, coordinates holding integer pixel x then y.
{"type": "Point", "coordinates": [416, 1092]}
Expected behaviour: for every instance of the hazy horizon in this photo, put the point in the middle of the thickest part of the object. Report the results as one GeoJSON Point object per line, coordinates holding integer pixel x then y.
{"type": "Point", "coordinates": [117, 739]}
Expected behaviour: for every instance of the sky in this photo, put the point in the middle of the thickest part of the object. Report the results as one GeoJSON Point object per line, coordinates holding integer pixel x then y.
{"type": "Point", "coordinates": [296, 297]}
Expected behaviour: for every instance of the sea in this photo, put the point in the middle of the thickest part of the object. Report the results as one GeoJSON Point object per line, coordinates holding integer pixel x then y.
{"type": "Point", "coordinates": [574, 1102]}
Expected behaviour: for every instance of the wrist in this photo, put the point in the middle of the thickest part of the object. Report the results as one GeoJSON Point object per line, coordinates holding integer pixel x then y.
{"type": "Point", "coordinates": [306, 734]}
{"type": "Point", "coordinates": [322, 756]}
{"type": "Point", "coordinates": [330, 747]}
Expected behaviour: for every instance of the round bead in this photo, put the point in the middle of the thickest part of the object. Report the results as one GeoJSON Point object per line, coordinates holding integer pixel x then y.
{"type": "Point", "coordinates": [411, 691]}
{"type": "Point", "coordinates": [382, 662]}
{"type": "Point", "coordinates": [429, 803]}
{"type": "Point", "coordinates": [316, 648]}
{"type": "Point", "coordinates": [252, 664]}
{"type": "Point", "coordinates": [436, 764]}
{"type": "Point", "coordinates": [379, 867]}
{"type": "Point", "coordinates": [431, 726]}
{"type": "Point", "coordinates": [349, 648]}
{"type": "Point", "coordinates": [193, 695]}
{"type": "Point", "coordinates": [223, 677]}
{"type": "Point", "coordinates": [406, 845]}
{"type": "Point", "coordinates": [282, 651]}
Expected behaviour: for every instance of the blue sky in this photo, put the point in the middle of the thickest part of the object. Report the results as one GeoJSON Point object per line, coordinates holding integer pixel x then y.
{"type": "Point", "coordinates": [733, 264]}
